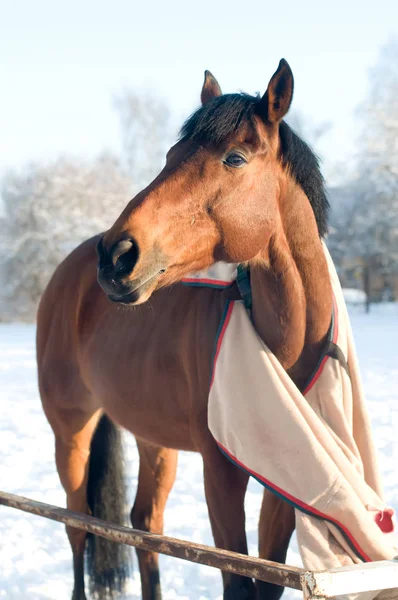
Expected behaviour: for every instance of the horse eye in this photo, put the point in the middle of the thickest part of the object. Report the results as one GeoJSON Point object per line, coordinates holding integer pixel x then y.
{"type": "Point", "coordinates": [234, 160]}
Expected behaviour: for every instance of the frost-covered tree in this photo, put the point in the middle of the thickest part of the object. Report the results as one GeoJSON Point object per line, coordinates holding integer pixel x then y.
{"type": "Point", "coordinates": [379, 118]}
{"type": "Point", "coordinates": [368, 226]}
{"type": "Point", "coordinates": [147, 133]}
{"type": "Point", "coordinates": [48, 210]}
{"type": "Point", "coordinates": [376, 217]}
{"type": "Point", "coordinates": [311, 132]}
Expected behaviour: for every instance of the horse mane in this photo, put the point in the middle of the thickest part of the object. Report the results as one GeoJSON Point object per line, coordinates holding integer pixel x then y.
{"type": "Point", "coordinates": [221, 117]}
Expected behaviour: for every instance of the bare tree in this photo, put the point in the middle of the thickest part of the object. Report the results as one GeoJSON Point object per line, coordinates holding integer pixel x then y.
{"type": "Point", "coordinates": [48, 210]}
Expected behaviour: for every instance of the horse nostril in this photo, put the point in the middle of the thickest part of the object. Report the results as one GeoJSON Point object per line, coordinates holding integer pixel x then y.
{"type": "Point", "coordinates": [124, 256]}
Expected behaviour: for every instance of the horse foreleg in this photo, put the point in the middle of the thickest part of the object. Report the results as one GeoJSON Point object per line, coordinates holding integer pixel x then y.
{"type": "Point", "coordinates": [157, 474]}
{"type": "Point", "coordinates": [73, 433]}
{"type": "Point", "coordinates": [276, 526]}
{"type": "Point", "coordinates": [225, 487]}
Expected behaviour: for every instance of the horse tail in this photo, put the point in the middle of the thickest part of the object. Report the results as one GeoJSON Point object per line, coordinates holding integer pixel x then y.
{"type": "Point", "coordinates": [108, 563]}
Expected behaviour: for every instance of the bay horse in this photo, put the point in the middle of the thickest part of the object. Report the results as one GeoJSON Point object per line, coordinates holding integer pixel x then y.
{"type": "Point", "coordinates": [238, 186]}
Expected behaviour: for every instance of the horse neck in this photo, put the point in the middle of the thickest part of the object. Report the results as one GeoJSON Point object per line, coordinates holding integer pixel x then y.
{"type": "Point", "coordinates": [291, 289]}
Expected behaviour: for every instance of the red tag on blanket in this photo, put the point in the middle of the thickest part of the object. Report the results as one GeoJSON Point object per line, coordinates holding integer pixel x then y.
{"type": "Point", "coordinates": [385, 519]}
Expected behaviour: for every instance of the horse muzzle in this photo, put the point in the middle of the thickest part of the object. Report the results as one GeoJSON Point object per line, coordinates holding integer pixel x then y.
{"type": "Point", "coordinates": [116, 267]}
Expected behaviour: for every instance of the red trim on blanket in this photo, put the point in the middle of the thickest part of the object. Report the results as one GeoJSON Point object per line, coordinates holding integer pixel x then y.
{"type": "Point", "coordinates": [207, 281]}
{"type": "Point", "coordinates": [220, 339]}
{"type": "Point", "coordinates": [297, 502]}
{"type": "Point", "coordinates": [326, 358]}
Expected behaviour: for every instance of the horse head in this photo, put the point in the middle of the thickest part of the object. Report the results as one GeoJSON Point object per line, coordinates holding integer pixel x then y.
{"type": "Point", "coordinates": [216, 199]}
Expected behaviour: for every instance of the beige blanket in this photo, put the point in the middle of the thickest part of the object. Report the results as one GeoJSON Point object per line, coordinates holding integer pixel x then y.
{"type": "Point", "coordinates": [315, 450]}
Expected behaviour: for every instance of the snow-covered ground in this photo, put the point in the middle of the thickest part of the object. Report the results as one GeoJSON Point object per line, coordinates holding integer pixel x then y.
{"type": "Point", "coordinates": [35, 560]}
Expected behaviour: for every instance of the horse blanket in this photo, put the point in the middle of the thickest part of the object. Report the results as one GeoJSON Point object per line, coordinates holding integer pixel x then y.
{"type": "Point", "coordinates": [313, 449]}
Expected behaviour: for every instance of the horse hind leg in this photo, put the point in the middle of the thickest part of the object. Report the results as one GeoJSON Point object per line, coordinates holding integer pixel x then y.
{"type": "Point", "coordinates": [89, 466]}
{"type": "Point", "coordinates": [73, 431]}
{"type": "Point", "coordinates": [156, 477]}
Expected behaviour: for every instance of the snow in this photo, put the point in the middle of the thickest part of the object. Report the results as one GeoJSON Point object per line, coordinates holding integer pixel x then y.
{"type": "Point", "coordinates": [35, 559]}
{"type": "Point", "coordinates": [354, 296]}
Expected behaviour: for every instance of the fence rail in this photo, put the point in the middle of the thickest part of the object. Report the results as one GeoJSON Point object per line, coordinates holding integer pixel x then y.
{"type": "Point", "coordinates": [316, 585]}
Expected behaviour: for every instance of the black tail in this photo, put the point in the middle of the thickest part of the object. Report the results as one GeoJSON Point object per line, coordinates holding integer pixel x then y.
{"type": "Point", "coordinates": [108, 563]}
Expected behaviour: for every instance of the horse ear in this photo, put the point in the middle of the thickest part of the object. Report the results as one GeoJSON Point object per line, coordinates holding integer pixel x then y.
{"type": "Point", "coordinates": [210, 89]}
{"type": "Point", "coordinates": [276, 101]}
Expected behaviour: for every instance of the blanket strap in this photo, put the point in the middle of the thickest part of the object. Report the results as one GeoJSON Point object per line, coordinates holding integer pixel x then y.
{"type": "Point", "coordinates": [334, 351]}
{"type": "Point", "coordinates": [243, 283]}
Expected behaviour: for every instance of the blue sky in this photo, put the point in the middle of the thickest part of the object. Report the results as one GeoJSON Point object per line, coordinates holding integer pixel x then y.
{"type": "Point", "coordinates": [62, 61]}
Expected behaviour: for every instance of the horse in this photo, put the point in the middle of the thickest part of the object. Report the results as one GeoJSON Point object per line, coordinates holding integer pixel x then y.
{"type": "Point", "coordinates": [122, 342]}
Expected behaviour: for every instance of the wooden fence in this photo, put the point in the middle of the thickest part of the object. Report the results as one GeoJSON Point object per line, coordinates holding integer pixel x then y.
{"type": "Point", "coordinates": [315, 585]}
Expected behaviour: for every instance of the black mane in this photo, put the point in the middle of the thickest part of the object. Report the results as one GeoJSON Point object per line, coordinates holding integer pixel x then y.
{"type": "Point", "coordinates": [222, 116]}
